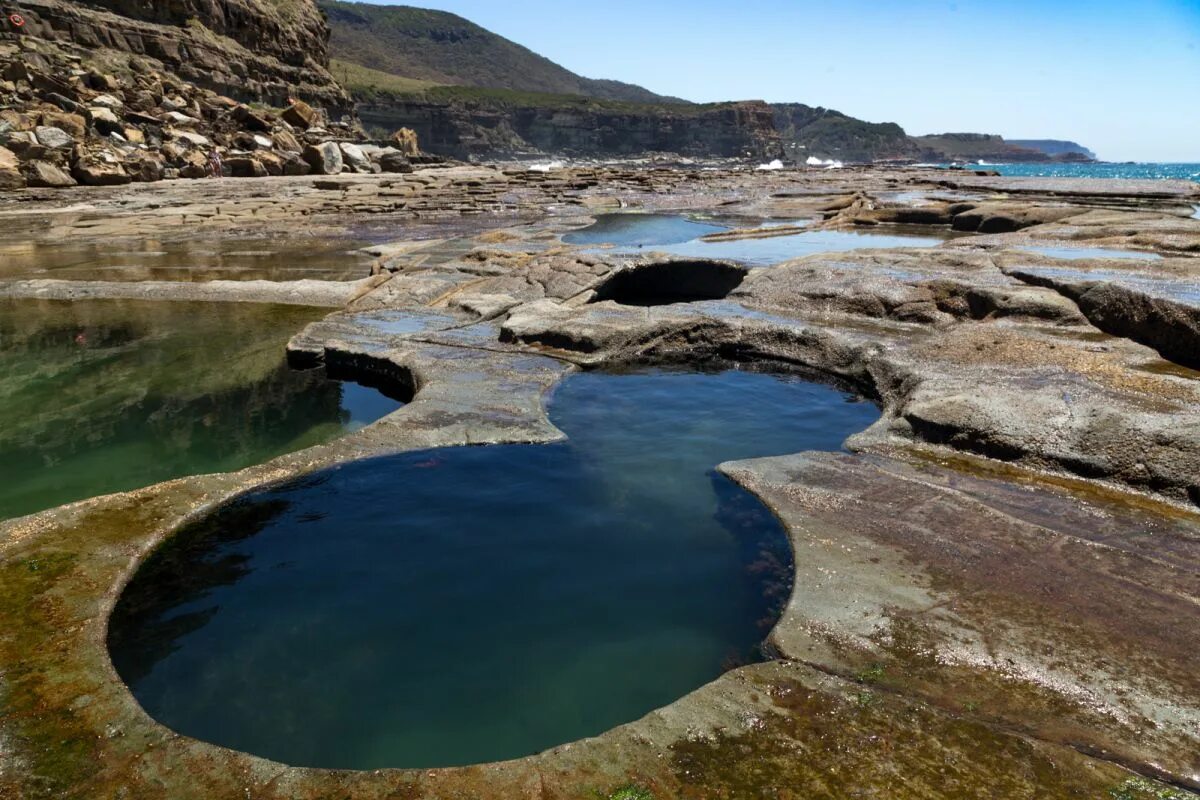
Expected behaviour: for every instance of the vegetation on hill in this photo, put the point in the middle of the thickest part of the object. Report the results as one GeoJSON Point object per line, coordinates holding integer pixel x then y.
{"type": "Point", "coordinates": [824, 133]}
{"type": "Point", "coordinates": [443, 48]}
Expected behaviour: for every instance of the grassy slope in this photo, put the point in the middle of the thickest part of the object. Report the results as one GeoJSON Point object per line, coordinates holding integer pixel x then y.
{"type": "Point", "coordinates": [443, 48]}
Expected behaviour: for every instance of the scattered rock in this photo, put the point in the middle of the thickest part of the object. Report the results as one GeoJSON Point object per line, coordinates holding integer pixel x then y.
{"type": "Point", "coordinates": [300, 114]}
{"type": "Point", "coordinates": [393, 161]}
{"type": "Point", "coordinates": [54, 138]}
{"type": "Point", "coordinates": [47, 175]}
{"type": "Point", "coordinates": [325, 159]}
{"type": "Point", "coordinates": [10, 173]}
{"type": "Point", "coordinates": [355, 158]}
{"type": "Point", "coordinates": [99, 168]}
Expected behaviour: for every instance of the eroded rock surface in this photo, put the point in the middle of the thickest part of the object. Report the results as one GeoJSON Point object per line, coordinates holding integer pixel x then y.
{"type": "Point", "coordinates": [996, 585]}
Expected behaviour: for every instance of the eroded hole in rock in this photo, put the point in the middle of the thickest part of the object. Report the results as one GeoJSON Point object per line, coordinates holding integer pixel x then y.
{"type": "Point", "coordinates": [668, 282]}
{"type": "Point", "coordinates": [477, 603]}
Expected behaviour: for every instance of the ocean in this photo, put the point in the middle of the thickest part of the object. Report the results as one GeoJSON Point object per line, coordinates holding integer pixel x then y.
{"type": "Point", "coordinates": [1144, 171]}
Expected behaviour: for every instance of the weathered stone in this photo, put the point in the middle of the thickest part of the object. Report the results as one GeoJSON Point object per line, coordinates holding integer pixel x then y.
{"type": "Point", "coordinates": [45, 174]}
{"type": "Point", "coordinates": [54, 138]}
{"type": "Point", "coordinates": [286, 141]}
{"type": "Point", "coordinates": [245, 167]}
{"type": "Point", "coordinates": [104, 120]}
{"type": "Point", "coordinates": [325, 159]}
{"type": "Point", "coordinates": [301, 114]}
{"type": "Point", "coordinates": [395, 162]}
{"type": "Point", "coordinates": [353, 156]}
{"type": "Point", "coordinates": [10, 172]}
{"type": "Point", "coordinates": [100, 167]}
{"type": "Point", "coordinates": [74, 124]}
{"type": "Point", "coordinates": [251, 120]}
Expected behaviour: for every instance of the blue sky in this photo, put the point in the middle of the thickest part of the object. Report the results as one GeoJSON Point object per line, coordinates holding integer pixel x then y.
{"type": "Point", "coordinates": [1121, 78]}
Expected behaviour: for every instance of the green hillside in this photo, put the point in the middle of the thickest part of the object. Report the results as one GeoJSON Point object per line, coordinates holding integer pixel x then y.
{"type": "Point", "coordinates": [442, 48]}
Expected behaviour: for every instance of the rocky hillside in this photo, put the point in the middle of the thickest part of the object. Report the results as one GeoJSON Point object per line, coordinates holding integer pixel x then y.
{"type": "Point", "coordinates": [946, 147]}
{"type": "Point", "coordinates": [442, 48]}
{"type": "Point", "coordinates": [808, 132]}
{"type": "Point", "coordinates": [76, 113]}
{"type": "Point", "coordinates": [252, 50]}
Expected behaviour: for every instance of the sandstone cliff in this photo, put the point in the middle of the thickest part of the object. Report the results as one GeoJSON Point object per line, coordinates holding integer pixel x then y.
{"type": "Point", "coordinates": [462, 124]}
{"type": "Point", "coordinates": [252, 50]}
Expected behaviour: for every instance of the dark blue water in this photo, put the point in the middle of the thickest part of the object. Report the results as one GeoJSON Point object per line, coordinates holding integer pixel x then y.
{"type": "Point", "coordinates": [479, 603]}
{"type": "Point", "coordinates": [641, 230]}
{"type": "Point", "coordinates": [1139, 171]}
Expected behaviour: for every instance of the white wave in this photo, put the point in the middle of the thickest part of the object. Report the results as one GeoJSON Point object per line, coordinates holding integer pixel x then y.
{"type": "Point", "coordinates": [983, 163]}
{"type": "Point", "coordinates": [831, 163]}
{"type": "Point", "coordinates": [546, 167]}
{"type": "Point", "coordinates": [776, 164]}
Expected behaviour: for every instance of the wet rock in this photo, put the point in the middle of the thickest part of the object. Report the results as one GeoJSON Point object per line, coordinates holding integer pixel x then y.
{"type": "Point", "coordinates": [47, 175]}
{"type": "Point", "coordinates": [325, 159]}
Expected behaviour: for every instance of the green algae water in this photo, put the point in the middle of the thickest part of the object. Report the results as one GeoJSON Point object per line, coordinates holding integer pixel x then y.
{"type": "Point", "coordinates": [102, 396]}
{"type": "Point", "coordinates": [471, 604]}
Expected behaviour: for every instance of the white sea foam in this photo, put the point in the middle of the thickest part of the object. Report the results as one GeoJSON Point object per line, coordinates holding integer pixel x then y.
{"type": "Point", "coordinates": [546, 167]}
{"type": "Point", "coordinates": [776, 164]}
{"type": "Point", "coordinates": [830, 163]}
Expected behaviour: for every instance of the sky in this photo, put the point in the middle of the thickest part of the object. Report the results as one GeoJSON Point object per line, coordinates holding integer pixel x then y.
{"type": "Point", "coordinates": [1120, 78]}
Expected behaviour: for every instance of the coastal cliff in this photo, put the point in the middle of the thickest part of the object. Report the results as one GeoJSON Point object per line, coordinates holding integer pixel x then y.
{"type": "Point", "coordinates": [462, 124]}
{"type": "Point", "coordinates": [252, 50]}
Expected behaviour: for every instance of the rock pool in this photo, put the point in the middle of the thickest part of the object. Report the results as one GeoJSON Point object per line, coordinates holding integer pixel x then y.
{"type": "Point", "coordinates": [472, 604]}
{"type": "Point", "coordinates": [681, 236]}
{"type": "Point", "coordinates": [102, 396]}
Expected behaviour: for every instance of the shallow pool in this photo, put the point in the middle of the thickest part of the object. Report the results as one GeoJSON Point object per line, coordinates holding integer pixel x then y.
{"type": "Point", "coordinates": [471, 604]}
{"type": "Point", "coordinates": [1092, 252]}
{"type": "Point", "coordinates": [102, 396]}
{"type": "Point", "coordinates": [681, 236]}
{"type": "Point", "coordinates": [642, 230]}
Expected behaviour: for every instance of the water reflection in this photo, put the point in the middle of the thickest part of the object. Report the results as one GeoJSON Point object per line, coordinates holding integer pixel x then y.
{"type": "Point", "coordinates": [104, 396]}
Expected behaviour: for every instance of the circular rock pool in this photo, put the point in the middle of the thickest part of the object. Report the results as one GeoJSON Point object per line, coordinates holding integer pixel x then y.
{"type": "Point", "coordinates": [473, 604]}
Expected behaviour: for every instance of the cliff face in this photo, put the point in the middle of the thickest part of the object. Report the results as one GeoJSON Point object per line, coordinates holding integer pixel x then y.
{"type": "Point", "coordinates": [253, 50]}
{"type": "Point", "coordinates": [484, 127]}
{"type": "Point", "coordinates": [827, 134]}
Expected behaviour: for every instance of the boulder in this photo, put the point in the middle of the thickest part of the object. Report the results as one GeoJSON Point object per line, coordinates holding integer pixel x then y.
{"type": "Point", "coordinates": [405, 141]}
{"type": "Point", "coordinates": [54, 138]}
{"type": "Point", "coordinates": [245, 167]}
{"type": "Point", "coordinates": [250, 120]}
{"type": "Point", "coordinates": [301, 114]}
{"type": "Point", "coordinates": [294, 164]}
{"type": "Point", "coordinates": [104, 120]}
{"type": "Point", "coordinates": [73, 124]}
{"type": "Point", "coordinates": [355, 158]}
{"type": "Point", "coordinates": [394, 161]}
{"type": "Point", "coordinates": [270, 161]}
{"type": "Point", "coordinates": [191, 138]}
{"type": "Point", "coordinates": [286, 141]}
{"type": "Point", "coordinates": [10, 173]}
{"type": "Point", "coordinates": [100, 167]}
{"type": "Point", "coordinates": [46, 175]}
{"type": "Point", "coordinates": [179, 120]}
{"type": "Point", "coordinates": [325, 159]}
{"type": "Point", "coordinates": [147, 168]}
